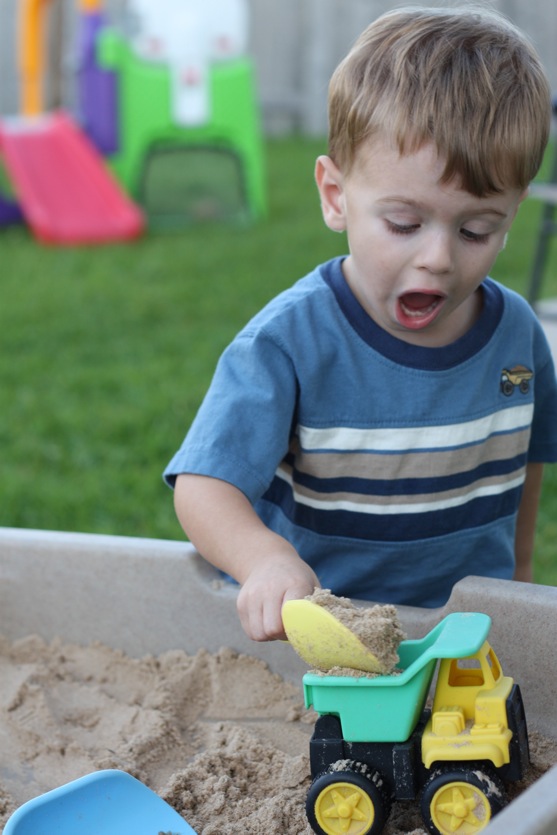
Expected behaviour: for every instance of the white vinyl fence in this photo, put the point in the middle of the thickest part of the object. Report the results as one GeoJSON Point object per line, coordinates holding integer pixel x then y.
{"type": "Point", "coordinates": [295, 45]}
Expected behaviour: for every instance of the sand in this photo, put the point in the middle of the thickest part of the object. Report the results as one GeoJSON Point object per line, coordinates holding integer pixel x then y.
{"type": "Point", "coordinates": [219, 736]}
{"type": "Point", "coordinates": [377, 627]}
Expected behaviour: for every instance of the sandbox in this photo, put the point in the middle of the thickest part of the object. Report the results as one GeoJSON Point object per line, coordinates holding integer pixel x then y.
{"type": "Point", "coordinates": [155, 612]}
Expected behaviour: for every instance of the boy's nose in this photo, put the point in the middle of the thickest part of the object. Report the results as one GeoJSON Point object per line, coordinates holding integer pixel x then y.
{"type": "Point", "coordinates": [436, 254]}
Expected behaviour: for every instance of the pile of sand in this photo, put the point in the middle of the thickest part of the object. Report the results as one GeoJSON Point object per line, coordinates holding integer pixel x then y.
{"type": "Point", "coordinates": [377, 627]}
{"type": "Point", "coordinates": [220, 737]}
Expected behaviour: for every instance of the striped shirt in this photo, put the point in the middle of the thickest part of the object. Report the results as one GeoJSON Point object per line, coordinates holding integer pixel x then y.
{"type": "Point", "coordinates": [394, 470]}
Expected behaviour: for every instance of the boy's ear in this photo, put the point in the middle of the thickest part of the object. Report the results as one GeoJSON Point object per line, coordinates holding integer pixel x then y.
{"type": "Point", "coordinates": [330, 184]}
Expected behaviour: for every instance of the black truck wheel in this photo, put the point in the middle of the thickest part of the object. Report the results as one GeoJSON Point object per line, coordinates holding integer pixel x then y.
{"type": "Point", "coordinates": [348, 799]}
{"type": "Point", "coordinates": [461, 798]}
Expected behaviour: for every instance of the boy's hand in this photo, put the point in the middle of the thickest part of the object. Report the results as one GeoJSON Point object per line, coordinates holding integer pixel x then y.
{"type": "Point", "coordinates": [224, 527]}
{"type": "Point", "coordinates": [271, 582]}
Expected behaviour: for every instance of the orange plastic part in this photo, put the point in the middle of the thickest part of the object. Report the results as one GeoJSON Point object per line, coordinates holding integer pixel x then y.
{"type": "Point", "coordinates": [31, 28]}
{"type": "Point", "coordinates": [90, 5]}
{"type": "Point", "coordinates": [31, 55]}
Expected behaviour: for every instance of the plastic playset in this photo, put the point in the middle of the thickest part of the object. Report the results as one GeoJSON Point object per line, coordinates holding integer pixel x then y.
{"type": "Point", "coordinates": [375, 740]}
{"type": "Point", "coordinates": [168, 87]}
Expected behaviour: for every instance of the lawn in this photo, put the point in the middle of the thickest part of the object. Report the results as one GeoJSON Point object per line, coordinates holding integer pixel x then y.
{"type": "Point", "coordinates": [106, 353]}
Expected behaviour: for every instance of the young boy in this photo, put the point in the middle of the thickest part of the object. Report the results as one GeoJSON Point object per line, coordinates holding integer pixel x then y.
{"type": "Point", "coordinates": [380, 428]}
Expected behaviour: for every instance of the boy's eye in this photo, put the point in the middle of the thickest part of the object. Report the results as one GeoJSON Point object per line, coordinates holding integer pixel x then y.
{"type": "Point", "coordinates": [402, 228]}
{"type": "Point", "coordinates": [409, 228]}
{"type": "Point", "coordinates": [474, 237]}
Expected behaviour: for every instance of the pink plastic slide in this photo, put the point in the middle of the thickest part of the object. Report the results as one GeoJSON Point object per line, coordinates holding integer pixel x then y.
{"type": "Point", "coordinates": [66, 191]}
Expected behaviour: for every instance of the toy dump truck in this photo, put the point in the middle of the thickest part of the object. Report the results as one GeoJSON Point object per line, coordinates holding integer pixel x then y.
{"type": "Point", "coordinates": [375, 740]}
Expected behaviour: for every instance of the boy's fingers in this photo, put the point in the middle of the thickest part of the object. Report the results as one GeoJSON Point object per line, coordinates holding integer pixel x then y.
{"type": "Point", "coordinates": [264, 629]}
{"type": "Point", "coordinates": [261, 622]}
{"type": "Point", "coordinates": [261, 598]}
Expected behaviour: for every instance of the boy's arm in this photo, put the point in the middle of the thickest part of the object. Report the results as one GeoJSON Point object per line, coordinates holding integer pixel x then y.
{"type": "Point", "coordinates": [222, 524]}
{"type": "Point", "coordinates": [526, 522]}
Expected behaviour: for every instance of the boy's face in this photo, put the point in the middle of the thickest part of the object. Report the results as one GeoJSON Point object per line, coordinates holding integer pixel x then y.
{"type": "Point", "coordinates": [419, 249]}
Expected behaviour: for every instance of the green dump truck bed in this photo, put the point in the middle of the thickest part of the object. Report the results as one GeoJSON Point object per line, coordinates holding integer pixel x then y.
{"type": "Point", "coordinates": [387, 708]}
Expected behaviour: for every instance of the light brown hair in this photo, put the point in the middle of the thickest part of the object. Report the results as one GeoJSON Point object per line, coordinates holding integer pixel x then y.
{"type": "Point", "coordinates": [468, 81]}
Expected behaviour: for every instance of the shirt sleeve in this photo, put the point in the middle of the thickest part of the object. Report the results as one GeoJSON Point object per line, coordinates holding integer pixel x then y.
{"type": "Point", "coordinates": [543, 440]}
{"type": "Point", "coordinates": [242, 429]}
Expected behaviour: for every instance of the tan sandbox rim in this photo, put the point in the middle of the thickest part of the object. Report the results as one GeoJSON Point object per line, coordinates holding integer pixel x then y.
{"type": "Point", "coordinates": [147, 596]}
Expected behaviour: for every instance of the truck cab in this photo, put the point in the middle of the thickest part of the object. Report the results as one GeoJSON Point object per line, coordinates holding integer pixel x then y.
{"type": "Point", "coordinates": [469, 709]}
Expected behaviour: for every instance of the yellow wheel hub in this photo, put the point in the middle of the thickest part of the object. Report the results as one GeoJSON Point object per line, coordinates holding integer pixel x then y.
{"type": "Point", "coordinates": [460, 808]}
{"type": "Point", "coordinates": [344, 809]}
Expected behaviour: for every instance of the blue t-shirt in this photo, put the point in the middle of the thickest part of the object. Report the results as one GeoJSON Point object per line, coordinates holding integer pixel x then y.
{"type": "Point", "coordinates": [394, 470]}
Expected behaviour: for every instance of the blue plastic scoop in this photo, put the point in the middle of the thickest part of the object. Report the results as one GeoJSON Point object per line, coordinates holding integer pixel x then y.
{"type": "Point", "coordinates": [108, 802]}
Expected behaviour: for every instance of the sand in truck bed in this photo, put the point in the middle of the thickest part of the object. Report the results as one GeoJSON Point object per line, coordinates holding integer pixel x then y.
{"type": "Point", "coordinates": [377, 627]}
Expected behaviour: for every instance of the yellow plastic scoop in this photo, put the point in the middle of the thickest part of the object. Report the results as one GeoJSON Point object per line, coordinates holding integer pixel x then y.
{"type": "Point", "coordinates": [322, 641]}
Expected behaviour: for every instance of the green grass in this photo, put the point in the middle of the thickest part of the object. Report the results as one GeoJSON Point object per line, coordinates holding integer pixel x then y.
{"type": "Point", "coordinates": [106, 353]}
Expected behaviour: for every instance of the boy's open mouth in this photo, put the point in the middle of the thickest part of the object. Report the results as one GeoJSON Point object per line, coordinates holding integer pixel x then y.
{"type": "Point", "coordinates": [417, 310]}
